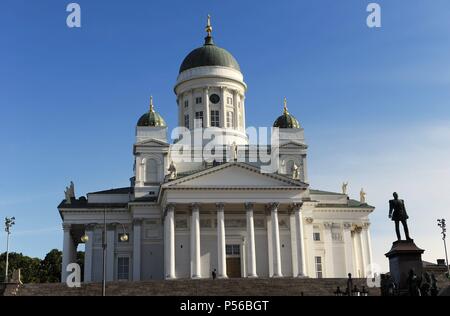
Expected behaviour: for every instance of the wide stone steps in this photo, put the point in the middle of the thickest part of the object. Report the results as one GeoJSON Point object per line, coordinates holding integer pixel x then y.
{"type": "Point", "coordinates": [227, 287]}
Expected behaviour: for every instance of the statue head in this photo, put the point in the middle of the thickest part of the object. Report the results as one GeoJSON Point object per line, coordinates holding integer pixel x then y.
{"type": "Point", "coordinates": [395, 194]}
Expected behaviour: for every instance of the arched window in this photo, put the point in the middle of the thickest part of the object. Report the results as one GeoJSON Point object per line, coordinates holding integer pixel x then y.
{"type": "Point", "coordinates": [151, 171]}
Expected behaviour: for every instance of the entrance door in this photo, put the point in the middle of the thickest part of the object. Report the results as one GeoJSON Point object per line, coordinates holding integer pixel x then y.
{"type": "Point", "coordinates": [233, 261]}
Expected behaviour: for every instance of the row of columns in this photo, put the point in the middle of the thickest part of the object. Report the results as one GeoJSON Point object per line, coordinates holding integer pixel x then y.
{"type": "Point", "coordinates": [362, 249]}
{"type": "Point", "coordinates": [207, 106]}
{"type": "Point", "coordinates": [70, 246]}
{"type": "Point", "coordinates": [273, 240]}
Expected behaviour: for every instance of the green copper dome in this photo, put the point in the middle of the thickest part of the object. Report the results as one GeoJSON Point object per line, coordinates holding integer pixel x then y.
{"type": "Point", "coordinates": [209, 55]}
{"type": "Point", "coordinates": [152, 118]}
{"type": "Point", "coordinates": [286, 120]}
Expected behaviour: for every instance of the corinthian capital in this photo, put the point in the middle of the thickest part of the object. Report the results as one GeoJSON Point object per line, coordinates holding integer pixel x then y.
{"type": "Point", "coordinates": [273, 206]}
{"type": "Point", "coordinates": [327, 225]}
{"type": "Point", "coordinates": [248, 206]}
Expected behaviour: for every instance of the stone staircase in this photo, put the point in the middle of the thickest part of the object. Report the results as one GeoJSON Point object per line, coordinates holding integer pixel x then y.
{"type": "Point", "coordinates": [228, 287]}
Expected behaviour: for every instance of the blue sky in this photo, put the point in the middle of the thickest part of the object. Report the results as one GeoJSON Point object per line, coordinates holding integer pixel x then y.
{"type": "Point", "coordinates": [374, 102]}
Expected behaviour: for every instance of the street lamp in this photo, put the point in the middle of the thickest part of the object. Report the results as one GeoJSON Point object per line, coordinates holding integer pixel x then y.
{"type": "Point", "coordinates": [123, 238]}
{"type": "Point", "coordinates": [443, 226]}
{"type": "Point", "coordinates": [9, 222]}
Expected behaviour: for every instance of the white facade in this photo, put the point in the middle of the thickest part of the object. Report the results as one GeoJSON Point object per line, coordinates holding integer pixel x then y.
{"type": "Point", "coordinates": [229, 217]}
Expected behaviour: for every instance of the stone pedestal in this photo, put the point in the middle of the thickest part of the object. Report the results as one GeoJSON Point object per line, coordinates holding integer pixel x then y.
{"type": "Point", "coordinates": [404, 256]}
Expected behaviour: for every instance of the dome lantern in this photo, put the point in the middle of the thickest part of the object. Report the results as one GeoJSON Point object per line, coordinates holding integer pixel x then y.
{"type": "Point", "coordinates": [209, 54]}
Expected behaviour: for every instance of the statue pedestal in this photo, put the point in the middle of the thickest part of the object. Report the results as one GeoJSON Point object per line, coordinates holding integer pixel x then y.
{"type": "Point", "coordinates": [404, 256]}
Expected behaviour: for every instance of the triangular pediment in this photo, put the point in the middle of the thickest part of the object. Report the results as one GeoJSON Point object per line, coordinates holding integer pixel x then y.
{"type": "Point", "coordinates": [294, 144]}
{"type": "Point", "coordinates": [235, 175]}
{"type": "Point", "coordinates": [152, 142]}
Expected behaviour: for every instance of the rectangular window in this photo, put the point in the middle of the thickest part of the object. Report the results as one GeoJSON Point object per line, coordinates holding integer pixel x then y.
{"type": "Point", "coordinates": [186, 103]}
{"type": "Point", "coordinates": [199, 119]}
{"type": "Point", "coordinates": [318, 261]}
{"type": "Point", "coordinates": [233, 250]}
{"type": "Point", "coordinates": [186, 121]}
{"type": "Point", "coordinates": [230, 100]}
{"type": "Point", "coordinates": [198, 100]}
{"type": "Point", "coordinates": [229, 119]}
{"type": "Point", "coordinates": [123, 268]}
{"type": "Point", "coordinates": [316, 236]}
{"type": "Point", "coordinates": [215, 119]}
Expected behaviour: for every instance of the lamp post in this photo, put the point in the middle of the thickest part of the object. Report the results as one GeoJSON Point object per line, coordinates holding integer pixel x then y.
{"type": "Point", "coordinates": [9, 222]}
{"type": "Point", "coordinates": [443, 226]}
{"type": "Point", "coordinates": [123, 238]}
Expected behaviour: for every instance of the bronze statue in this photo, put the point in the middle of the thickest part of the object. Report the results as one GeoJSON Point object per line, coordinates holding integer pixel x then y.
{"type": "Point", "coordinates": [397, 212]}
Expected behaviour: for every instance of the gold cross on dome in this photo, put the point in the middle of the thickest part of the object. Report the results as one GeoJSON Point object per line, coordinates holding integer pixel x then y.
{"type": "Point", "coordinates": [152, 109]}
{"type": "Point", "coordinates": [285, 106]}
{"type": "Point", "coordinates": [208, 26]}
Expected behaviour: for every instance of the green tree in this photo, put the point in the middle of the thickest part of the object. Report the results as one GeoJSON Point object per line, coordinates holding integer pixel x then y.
{"type": "Point", "coordinates": [35, 270]}
{"type": "Point", "coordinates": [29, 267]}
{"type": "Point", "coordinates": [50, 267]}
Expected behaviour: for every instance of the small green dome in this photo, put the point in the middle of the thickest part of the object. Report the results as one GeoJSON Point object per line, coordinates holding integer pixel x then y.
{"type": "Point", "coordinates": [209, 55]}
{"type": "Point", "coordinates": [286, 120]}
{"type": "Point", "coordinates": [152, 118]}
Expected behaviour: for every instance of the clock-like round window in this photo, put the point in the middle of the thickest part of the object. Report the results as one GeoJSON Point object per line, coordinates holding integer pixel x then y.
{"type": "Point", "coordinates": [214, 98]}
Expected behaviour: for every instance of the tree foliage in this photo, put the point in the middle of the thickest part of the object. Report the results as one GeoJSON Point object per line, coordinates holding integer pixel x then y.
{"type": "Point", "coordinates": [35, 270]}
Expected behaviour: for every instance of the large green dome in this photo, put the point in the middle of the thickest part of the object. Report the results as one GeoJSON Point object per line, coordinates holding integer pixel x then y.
{"type": "Point", "coordinates": [151, 118]}
{"type": "Point", "coordinates": [209, 55]}
{"type": "Point", "coordinates": [286, 120]}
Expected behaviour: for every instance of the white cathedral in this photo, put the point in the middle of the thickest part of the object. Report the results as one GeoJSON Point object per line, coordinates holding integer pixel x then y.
{"type": "Point", "coordinates": [187, 218]}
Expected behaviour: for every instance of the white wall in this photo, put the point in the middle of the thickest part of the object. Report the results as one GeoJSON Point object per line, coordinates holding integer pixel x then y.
{"type": "Point", "coordinates": [152, 257]}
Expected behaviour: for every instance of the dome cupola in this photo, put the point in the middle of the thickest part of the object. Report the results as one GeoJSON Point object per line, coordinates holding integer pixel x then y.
{"type": "Point", "coordinates": [209, 55]}
{"type": "Point", "coordinates": [286, 120]}
{"type": "Point", "coordinates": [152, 118]}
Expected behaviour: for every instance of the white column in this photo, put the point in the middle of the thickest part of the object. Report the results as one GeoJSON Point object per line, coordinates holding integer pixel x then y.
{"type": "Point", "coordinates": [276, 241]}
{"type": "Point", "coordinates": [192, 109]}
{"type": "Point", "coordinates": [348, 248]}
{"type": "Point", "coordinates": [88, 249]}
{"type": "Point", "coordinates": [207, 114]}
{"type": "Point", "coordinates": [251, 249]}
{"type": "Point", "coordinates": [365, 249]}
{"type": "Point", "coordinates": [236, 110]}
{"type": "Point", "coordinates": [69, 253]}
{"type": "Point", "coordinates": [110, 245]}
{"type": "Point", "coordinates": [195, 242]}
{"type": "Point", "coordinates": [224, 111]}
{"type": "Point", "coordinates": [328, 243]}
{"type": "Point", "coordinates": [180, 110]}
{"type": "Point", "coordinates": [358, 254]}
{"type": "Point", "coordinates": [137, 224]}
{"type": "Point", "coordinates": [221, 243]}
{"type": "Point", "coordinates": [243, 112]}
{"type": "Point", "coordinates": [310, 248]}
{"type": "Point", "coordinates": [300, 242]}
{"type": "Point", "coordinates": [169, 242]}
{"type": "Point", "coordinates": [368, 246]}
{"type": "Point", "coordinates": [269, 241]}
{"type": "Point", "coordinates": [293, 233]}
